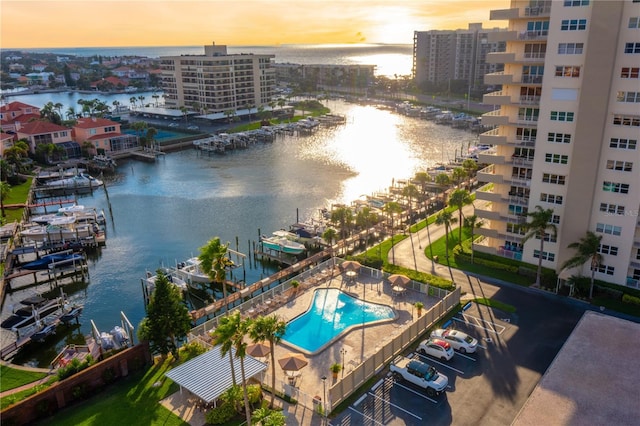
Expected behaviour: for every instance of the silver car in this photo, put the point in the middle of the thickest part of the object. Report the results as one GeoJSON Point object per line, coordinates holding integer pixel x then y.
{"type": "Point", "coordinates": [436, 348]}
{"type": "Point", "coordinates": [460, 341]}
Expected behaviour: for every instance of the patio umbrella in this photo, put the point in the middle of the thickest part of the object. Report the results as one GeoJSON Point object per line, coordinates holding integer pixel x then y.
{"type": "Point", "coordinates": [350, 265]}
{"type": "Point", "coordinates": [293, 362]}
{"type": "Point", "coordinates": [397, 279]}
{"type": "Point", "coordinates": [258, 350]}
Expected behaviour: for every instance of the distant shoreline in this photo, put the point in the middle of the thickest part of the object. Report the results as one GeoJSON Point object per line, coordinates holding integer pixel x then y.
{"type": "Point", "coordinates": [65, 90]}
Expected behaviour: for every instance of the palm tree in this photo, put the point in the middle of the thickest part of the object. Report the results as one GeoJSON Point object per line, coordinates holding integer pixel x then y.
{"type": "Point", "coordinates": [271, 329]}
{"type": "Point", "coordinates": [458, 199]}
{"type": "Point", "coordinates": [540, 223]}
{"type": "Point", "coordinates": [229, 334]}
{"type": "Point", "coordinates": [469, 166]}
{"type": "Point", "coordinates": [410, 192]}
{"type": "Point", "coordinates": [132, 101]}
{"type": "Point", "coordinates": [141, 99]}
{"type": "Point", "coordinates": [472, 222]}
{"type": "Point", "coordinates": [458, 175]}
{"type": "Point", "coordinates": [588, 250]}
{"type": "Point", "coordinates": [392, 208]}
{"type": "Point", "coordinates": [183, 109]}
{"type": "Point", "coordinates": [342, 216]}
{"type": "Point", "coordinates": [445, 218]}
{"type": "Point", "coordinates": [214, 260]}
{"type": "Point", "coordinates": [151, 136]}
{"type": "Point", "coordinates": [442, 180]}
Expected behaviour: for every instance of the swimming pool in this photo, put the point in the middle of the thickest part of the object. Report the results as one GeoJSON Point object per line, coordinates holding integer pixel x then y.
{"type": "Point", "coordinates": [332, 313]}
{"type": "Point", "coordinates": [161, 134]}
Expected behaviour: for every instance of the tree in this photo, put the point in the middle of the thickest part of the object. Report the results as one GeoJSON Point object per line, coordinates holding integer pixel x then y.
{"type": "Point", "coordinates": [469, 166]}
{"type": "Point", "coordinates": [151, 136]}
{"type": "Point", "coordinates": [5, 190]}
{"type": "Point", "coordinates": [342, 216]}
{"type": "Point", "coordinates": [410, 192]}
{"type": "Point", "coordinates": [445, 218]}
{"type": "Point", "coordinates": [540, 223]}
{"type": "Point", "coordinates": [230, 334]}
{"type": "Point", "coordinates": [215, 262]}
{"type": "Point", "coordinates": [183, 109]}
{"type": "Point", "coordinates": [391, 209]}
{"type": "Point", "coordinates": [132, 101]}
{"type": "Point", "coordinates": [167, 318]}
{"type": "Point", "coordinates": [139, 127]}
{"type": "Point", "coordinates": [458, 199]}
{"type": "Point", "coordinates": [458, 174]}
{"type": "Point", "coordinates": [267, 417]}
{"type": "Point", "coordinates": [442, 180]}
{"type": "Point", "coordinates": [271, 329]}
{"type": "Point", "coordinates": [472, 222]}
{"type": "Point", "coordinates": [588, 249]}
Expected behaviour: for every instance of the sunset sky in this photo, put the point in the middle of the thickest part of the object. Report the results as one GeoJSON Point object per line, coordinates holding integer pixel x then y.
{"type": "Point", "coordinates": [93, 23]}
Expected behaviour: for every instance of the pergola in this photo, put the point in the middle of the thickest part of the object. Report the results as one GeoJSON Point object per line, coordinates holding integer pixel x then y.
{"type": "Point", "coordinates": [209, 375]}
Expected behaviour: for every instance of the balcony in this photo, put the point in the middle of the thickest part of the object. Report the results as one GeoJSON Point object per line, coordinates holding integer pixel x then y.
{"type": "Point", "coordinates": [529, 100]}
{"type": "Point", "coordinates": [510, 254]}
{"type": "Point", "coordinates": [633, 283]}
{"type": "Point", "coordinates": [490, 157]}
{"type": "Point", "coordinates": [517, 181]}
{"type": "Point", "coordinates": [518, 201]}
{"type": "Point", "coordinates": [521, 161]}
{"type": "Point", "coordinates": [492, 137]}
{"type": "Point", "coordinates": [533, 35]}
{"type": "Point", "coordinates": [495, 118]}
{"type": "Point", "coordinates": [496, 98]}
{"type": "Point", "coordinates": [487, 232]}
{"type": "Point", "coordinates": [486, 194]}
{"type": "Point", "coordinates": [504, 14]}
{"type": "Point", "coordinates": [523, 142]}
{"type": "Point", "coordinates": [498, 78]}
{"type": "Point", "coordinates": [488, 175]}
{"type": "Point", "coordinates": [487, 214]}
{"type": "Point", "coordinates": [500, 57]}
{"type": "Point", "coordinates": [531, 79]}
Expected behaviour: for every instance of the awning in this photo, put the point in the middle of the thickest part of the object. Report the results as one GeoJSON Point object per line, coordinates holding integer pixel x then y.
{"type": "Point", "coordinates": [209, 375]}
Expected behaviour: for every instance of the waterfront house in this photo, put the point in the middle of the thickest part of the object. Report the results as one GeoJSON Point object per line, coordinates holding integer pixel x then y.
{"type": "Point", "coordinates": [43, 132]}
{"type": "Point", "coordinates": [14, 113]}
{"type": "Point", "coordinates": [104, 135]}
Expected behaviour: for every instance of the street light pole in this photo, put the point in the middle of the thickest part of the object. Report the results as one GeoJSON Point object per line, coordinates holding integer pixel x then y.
{"type": "Point", "coordinates": [324, 395]}
{"type": "Point", "coordinates": [343, 351]}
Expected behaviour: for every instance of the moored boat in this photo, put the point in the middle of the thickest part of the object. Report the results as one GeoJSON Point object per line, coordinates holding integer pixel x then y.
{"type": "Point", "coordinates": [53, 259]}
{"type": "Point", "coordinates": [80, 180]}
{"type": "Point", "coordinates": [282, 244]}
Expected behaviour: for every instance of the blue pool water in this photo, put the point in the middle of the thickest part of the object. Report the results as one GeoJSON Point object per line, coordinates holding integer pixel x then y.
{"type": "Point", "coordinates": [332, 313]}
{"type": "Point", "coordinates": [161, 134]}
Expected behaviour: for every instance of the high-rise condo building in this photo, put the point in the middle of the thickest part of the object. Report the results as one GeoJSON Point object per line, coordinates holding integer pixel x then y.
{"type": "Point", "coordinates": [567, 132]}
{"type": "Point", "coordinates": [443, 57]}
{"type": "Point", "coordinates": [217, 81]}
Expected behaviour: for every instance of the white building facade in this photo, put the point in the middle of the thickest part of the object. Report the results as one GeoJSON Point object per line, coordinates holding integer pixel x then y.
{"type": "Point", "coordinates": [217, 82]}
{"type": "Point", "coordinates": [567, 132]}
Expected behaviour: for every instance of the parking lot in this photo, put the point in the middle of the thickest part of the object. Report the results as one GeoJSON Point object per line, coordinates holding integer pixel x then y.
{"type": "Point", "coordinates": [486, 387]}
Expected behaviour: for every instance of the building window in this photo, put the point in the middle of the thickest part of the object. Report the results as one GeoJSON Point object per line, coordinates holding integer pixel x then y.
{"type": "Point", "coordinates": [514, 228]}
{"type": "Point", "coordinates": [561, 116]}
{"type": "Point", "coordinates": [604, 269]}
{"type": "Point", "coordinates": [110, 129]}
{"type": "Point", "coordinates": [556, 158]}
{"type": "Point", "coordinates": [567, 71]}
{"type": "Point", "coordinates": [621, 166]}
{"type": "Point", "coordinates": [546, 255]}
{"type": "Point", "coordinates": [634, 22]}
{"type": "Point", "coordinates": [623, 143]}
{"type": "Point", "coordinates": [528, 114]}
{"type": "Point", "coordinates": [612, 209]}
{"type": "Point", "coordinates": [570, 48]}
{"type": "Point", "coordinates": [608, 229]}
{"type": "Point", "coordinates": [92, 131]}
{"type": "Point", "coordinates": [626, 120]}
{"type": "Point", "coordinates": [559, 137]}
{"type": "Point", "coordinates": [630, 72]}
{"type": "Point", "coordinates": [632, 48]}
{"type": "Point", "coordinates": [555, 179]}
{"type": "Point", "coordinates": [607, 249]}
{"type": "Point", "coordinates": [526, 134]}
{"type": "Point", "coordinates": [535, 51]}
{"type": "Point", "coordinates": [555, 219]}
{"type": "Point", "coordinates": [548, 238]}
{"type": "Point", "coordinates": [617, 187]}
{"type": "Point", "coordinates": [551, 198]}
{"type": "Point", "coordinates": [569, 3]}
{"type": "Point", "coordinates": [573, 24]}
{"type": "Point", "coordinates": [633, 97]}
{"type": "Point", "coordinates": [537, 28]}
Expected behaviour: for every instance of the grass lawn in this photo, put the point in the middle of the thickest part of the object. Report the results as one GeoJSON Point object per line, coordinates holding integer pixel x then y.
{"type": "Point", "coordinates": [504, 307]}
{"type": "Point", "coordinates": [131, 401]}
{"type": "Point", "coordinates": [13, 377]}
{"type": "Point", "coordinates": [17, 195]}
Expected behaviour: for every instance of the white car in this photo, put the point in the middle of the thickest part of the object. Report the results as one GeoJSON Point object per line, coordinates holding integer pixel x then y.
{"type": "Point", "coordinates": [173, 124]}
{"type": "Point", "coordinates": [193, 127]}
{"type": "Point", "coordinates": [437, 348]}
{"type": "Point", "coordinates": [457, 339]}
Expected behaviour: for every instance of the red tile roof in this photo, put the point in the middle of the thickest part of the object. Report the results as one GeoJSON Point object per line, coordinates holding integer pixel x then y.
{"type": "Point", "coordinates": [15, 106]}
{"type": "Point", "coordinates": [24, 118]}
{"type": "Point", "coordinates": [92, 123]}
{"type": "Point", "coordinates": [104, 136]}
{"type": "Point", "coordinates": [40, 127]}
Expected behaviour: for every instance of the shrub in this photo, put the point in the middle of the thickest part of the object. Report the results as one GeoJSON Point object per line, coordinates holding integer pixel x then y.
{"type": "Point", "coordinates": [220, 415]}
{"type": "Point", "coordinates": [254, 392]}
{"type": "Point", "coordinates": [610, 293]}
{"type": "Point", "coordinates": [192, 350]}
{"type": "Point", "coordinates": [632, 300]}
{"type": "Point", "coordinates": [108, 375]}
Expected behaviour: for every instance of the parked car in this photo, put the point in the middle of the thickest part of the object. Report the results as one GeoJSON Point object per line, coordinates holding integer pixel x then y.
{"type": "Point", "coordinates": [460, 341]}
{"type": "Point", "coordinates": [436, 348]}
{"type": "Point", "coordinates": [193, 127]}
{"type": "Point", "coordinates": [173, 124]}
{"type": "Point", "coordinates": [420, 374]}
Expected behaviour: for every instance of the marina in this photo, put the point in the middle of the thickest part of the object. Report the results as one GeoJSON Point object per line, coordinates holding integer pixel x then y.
{"type": "Point", "coordinates": [159, 214]}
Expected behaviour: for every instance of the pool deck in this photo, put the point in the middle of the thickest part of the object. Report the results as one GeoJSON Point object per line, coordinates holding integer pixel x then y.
{"type": "Point", "coordinates": [359, 343]}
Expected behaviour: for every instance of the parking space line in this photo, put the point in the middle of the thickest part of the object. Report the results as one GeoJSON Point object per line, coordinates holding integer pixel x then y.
{"type": "Point", "coordinates": [478, 323]}
{"type": "Point", "coordinates": [411, 390]}
{"type": "Point", "coordinates": [365, 416]}
{"type": "Point", "coordinates": [374, 387]}
{"type": "Point", "coordinates": [467, 356]}
{"type": "Point", "coordinates": [441, 363]}
{"type": "Point", "coordinates": [394, 405]}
